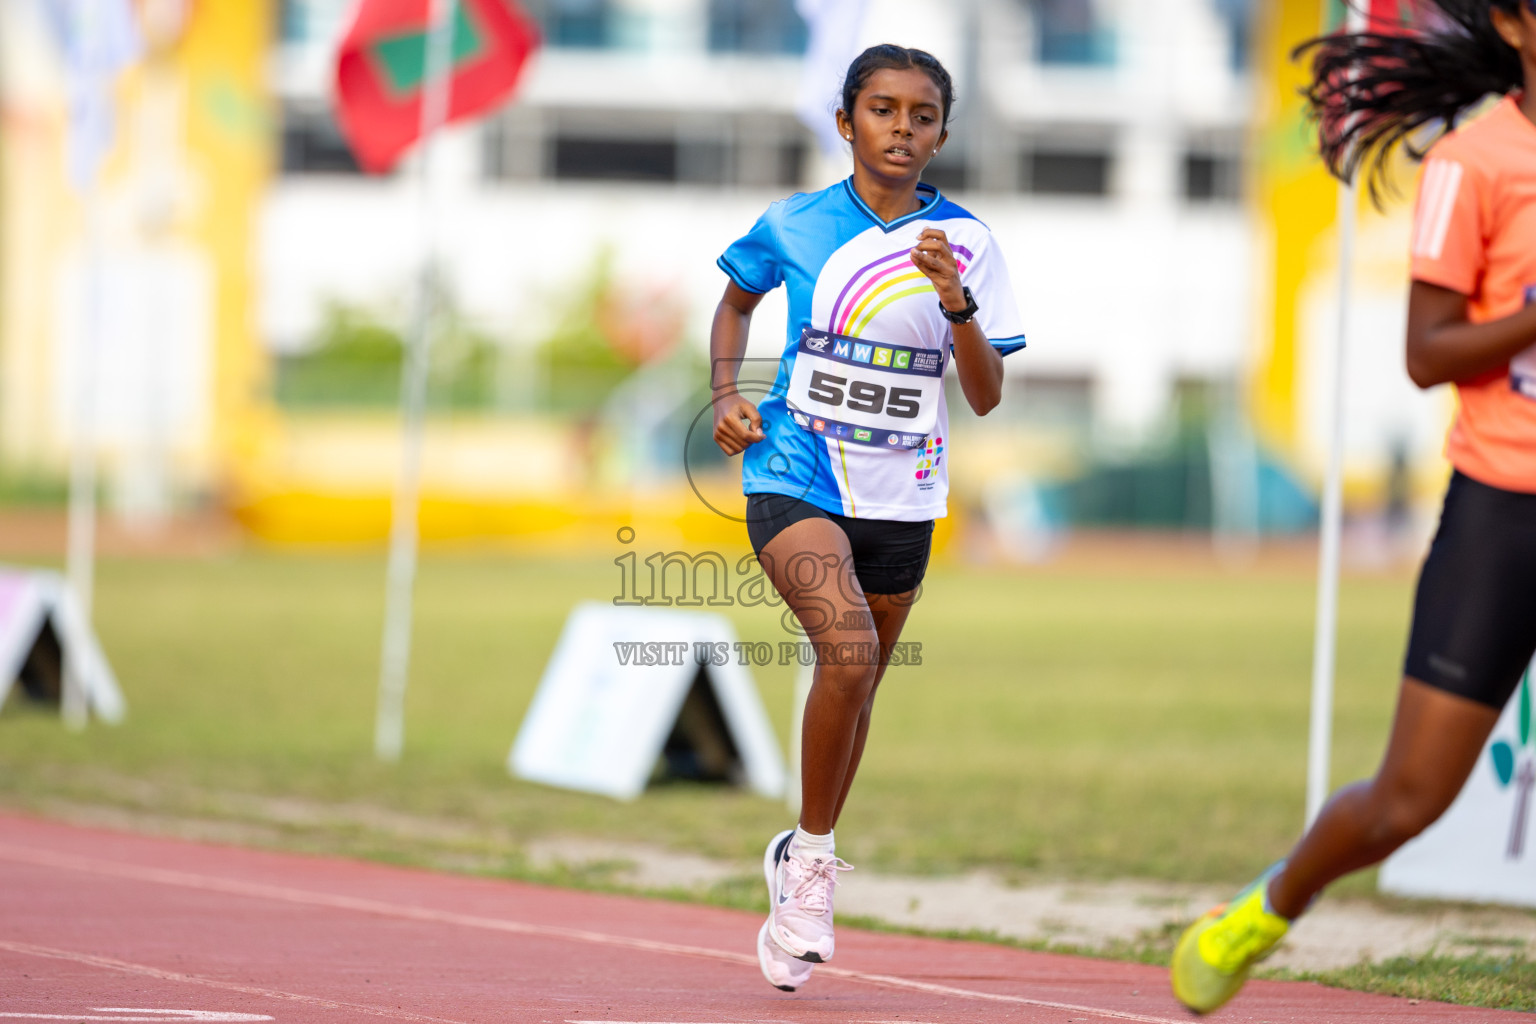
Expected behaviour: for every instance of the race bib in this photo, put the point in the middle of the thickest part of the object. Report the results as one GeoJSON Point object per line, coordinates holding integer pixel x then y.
{"type": "Point", "coordinates": [1522, 369]}
{"type": "Point", "coordinates": [866, 393]}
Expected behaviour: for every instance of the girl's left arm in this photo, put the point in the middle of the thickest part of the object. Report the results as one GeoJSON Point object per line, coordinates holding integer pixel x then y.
{"type": "Point", "coordinates": [977, 363]}
{"type": "Point", "coordinates": [1444, 346]}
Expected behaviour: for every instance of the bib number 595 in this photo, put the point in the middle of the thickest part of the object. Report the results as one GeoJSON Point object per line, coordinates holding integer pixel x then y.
{"type": "Point", "coordinates": [862, 396]}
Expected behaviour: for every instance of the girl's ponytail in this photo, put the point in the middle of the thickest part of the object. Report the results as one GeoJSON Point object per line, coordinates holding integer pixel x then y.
{"type": "Point", "coordinates": [1372, 90]}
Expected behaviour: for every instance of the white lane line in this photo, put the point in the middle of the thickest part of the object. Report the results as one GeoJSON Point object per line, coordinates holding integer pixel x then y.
{"type": "Point", "coordinates": [118, 1013]}
{"type": "Point", "coordinates": [146, 971]}
{"type": "Point", "coordinates": [992, 997]}
{"type": "Point", "coordinates": [164, 1015]}
{"type": "Point", "coordinates": [305, 897]}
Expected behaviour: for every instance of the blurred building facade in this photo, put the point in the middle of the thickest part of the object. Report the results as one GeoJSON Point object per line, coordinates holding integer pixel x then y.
{"type": "Point", "coordinates": [1103, 142]}
{"type": "Point", "coordinates": [1110, 145]}
{"type": "Point", "coordinates": [127, 306]}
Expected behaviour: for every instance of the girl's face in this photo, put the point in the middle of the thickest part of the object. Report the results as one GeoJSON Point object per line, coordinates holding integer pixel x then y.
{"type": "Point", "coordinates": [896, 124]}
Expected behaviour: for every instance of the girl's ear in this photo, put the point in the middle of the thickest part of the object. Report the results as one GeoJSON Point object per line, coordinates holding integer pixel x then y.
{"type": "Point", "coordinates": [943, 138]}
{"type": "Point", "coordinates": [1509, 27]}
{"type": "Point", "coordinates": [844, 124]}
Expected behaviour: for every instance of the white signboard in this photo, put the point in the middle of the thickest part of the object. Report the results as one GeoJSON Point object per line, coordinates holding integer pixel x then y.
{"type": "Point", "coordinates": [31, 600]}
{"type": "Point", "coordinates": [1484, 848]}
{"type": "Point", "coordinates": [621, 682]}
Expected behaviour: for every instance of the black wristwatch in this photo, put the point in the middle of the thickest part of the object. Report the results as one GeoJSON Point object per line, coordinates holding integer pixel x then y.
{"type": "Point", "coordinates": [965, 315]}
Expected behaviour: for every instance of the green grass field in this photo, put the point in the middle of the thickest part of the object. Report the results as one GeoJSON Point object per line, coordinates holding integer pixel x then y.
{"type": "Point", "coordinates": [1504, 982]}
{"type": "Point", "coordinates": [1087, 723]}
{"type": "Point", "coordinates": [1074, 721]}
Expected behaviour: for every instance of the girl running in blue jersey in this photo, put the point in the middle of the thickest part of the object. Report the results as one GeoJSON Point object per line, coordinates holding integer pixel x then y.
{"type": "Point", "coordinates": [844, 462]}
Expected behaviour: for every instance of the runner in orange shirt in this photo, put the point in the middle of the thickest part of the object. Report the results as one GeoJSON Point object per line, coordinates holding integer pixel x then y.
{"type": "Point", "coordinates": [1471, 322]}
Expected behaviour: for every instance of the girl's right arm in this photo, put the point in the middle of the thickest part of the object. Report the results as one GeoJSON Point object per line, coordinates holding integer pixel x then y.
{"type": "Point", "coordinates": [737, 421]}
{"type": "Point", "coordinates": [1444, 346]}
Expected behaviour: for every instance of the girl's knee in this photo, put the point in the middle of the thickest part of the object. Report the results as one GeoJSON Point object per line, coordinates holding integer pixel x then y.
{"type": "Point", "coordinates": [852, 679]}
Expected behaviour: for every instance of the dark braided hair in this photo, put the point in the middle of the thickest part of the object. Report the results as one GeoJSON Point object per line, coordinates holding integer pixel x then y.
{"type": "Point", "coordinates": [1373, 90]}
{"type": "Point", "coordinates": [887, 56]}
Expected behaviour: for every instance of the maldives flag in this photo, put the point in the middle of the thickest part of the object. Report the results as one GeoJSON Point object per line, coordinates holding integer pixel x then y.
{"type": "Point", "coordinates": [381, 70]}
{"type": "Point", "coordinates": [1391, 17]}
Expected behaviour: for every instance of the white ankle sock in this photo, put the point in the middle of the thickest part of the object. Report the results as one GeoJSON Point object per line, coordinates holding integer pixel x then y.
{"type": "Point", "coordinates": [808, 846]}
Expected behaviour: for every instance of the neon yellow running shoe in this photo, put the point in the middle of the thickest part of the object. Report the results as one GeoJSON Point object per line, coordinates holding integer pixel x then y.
{"type": "Point", "coordinates": [1214, 955]}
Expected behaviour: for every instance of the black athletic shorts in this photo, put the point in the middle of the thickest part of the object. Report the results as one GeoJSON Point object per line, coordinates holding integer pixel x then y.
{"type": "Point", "coordinates": [1474, 619]}
{"type": "Point", "coordinates": [889, 557]}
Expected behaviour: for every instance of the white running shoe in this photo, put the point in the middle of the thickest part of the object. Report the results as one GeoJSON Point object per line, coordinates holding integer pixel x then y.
{"type": "Point", "coordinates": [800, 900]}
{"type": "Point", "coordinates": [783, 971]}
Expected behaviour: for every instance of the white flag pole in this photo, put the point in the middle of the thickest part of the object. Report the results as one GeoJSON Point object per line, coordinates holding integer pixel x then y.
{"type": "Point", "coordinates": [80, 549]}
{"type": "Point", "coordinates": [99, 41]}
{"type": "Point", "coordinates": [835, 29]}
{"type": "Point", "coordinates": [389, 730]}
{"type": "Point", "coordinates": [1320, 739]}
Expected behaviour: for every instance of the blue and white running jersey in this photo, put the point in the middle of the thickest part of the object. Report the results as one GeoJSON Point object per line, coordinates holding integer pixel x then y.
{"type": "Point", "coordinates": [856, 423]}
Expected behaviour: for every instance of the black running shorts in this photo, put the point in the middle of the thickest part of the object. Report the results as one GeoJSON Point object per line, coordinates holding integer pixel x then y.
{"type": "Point", "coordinates": [889, 557]}
{"type": "Point", "coordinates": [1474, 619]}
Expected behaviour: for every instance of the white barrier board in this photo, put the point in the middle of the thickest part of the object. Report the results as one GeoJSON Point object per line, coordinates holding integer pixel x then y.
{"type": "Point", "coordinates": [31, 599]}
{"type": "Point", "coordinates": [612, 693]}
{"type": "Point", "coordinates": [1484, 848]}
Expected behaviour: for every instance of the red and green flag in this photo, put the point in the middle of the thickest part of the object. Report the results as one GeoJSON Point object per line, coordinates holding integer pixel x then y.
{"type": "Point", "coordinates": [1390, 16]}
{"type": "Point", "coordinates": [1385, 16]}
{"type": "Point", "coordinates": [381, 70]}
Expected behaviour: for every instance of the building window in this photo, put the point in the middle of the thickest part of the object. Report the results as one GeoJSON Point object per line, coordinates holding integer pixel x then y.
{"type": "Point", "coordinates": [791, 163]}
{"type": "Point", "coordinates": [1065, 173]}
{"type": "Point", "coordinates": [695, 162]}
{"type": "Point", "coordinates": [1212, 177]}
{"type": "Point", "coordinates": [292, 24]}
{"type": "Point", "coordinates": [1053, 401]}
{"type": "Point", "coordinates": [311, 21]}
{"type": "Point", "coordinates": [1070, 32]}
{"type": "Point", "coordinates": [946, 176]}
{"type": "Point", "coordinates": [709, 151]}
{"type": "Point", "coordinates": [755, 26]}
{"type": "Point", "coordinates": [574, 23]}
{"type": "Point", "coordinates": [703, 162]}
{"type": "Point", "coordinates": [1237, 15]}
{"type": "Point", "coordinates": [312, 144]}
{"type": "Point", "coordinates": [600, 159]}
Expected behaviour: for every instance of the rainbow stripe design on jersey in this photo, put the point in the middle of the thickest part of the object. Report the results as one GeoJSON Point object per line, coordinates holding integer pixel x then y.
{"type": "Point", "coordinates": [863, 435]}
{"type": "Point", "coordinates": [886, 280]}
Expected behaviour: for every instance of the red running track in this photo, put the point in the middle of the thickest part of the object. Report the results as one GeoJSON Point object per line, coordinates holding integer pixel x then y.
{"type": "Point", "coordinates": [107, 926]}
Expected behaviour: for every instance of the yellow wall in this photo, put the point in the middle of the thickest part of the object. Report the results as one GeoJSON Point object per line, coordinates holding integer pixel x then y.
{"type": "Point", "coordinates": [230, 132]}
{"type": "Point", "coordinates": [1296, 307]}
{"type": "Point", "coordinates": [1297, 202]}
{"type": "Point", "coordinates": [190, 161]}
